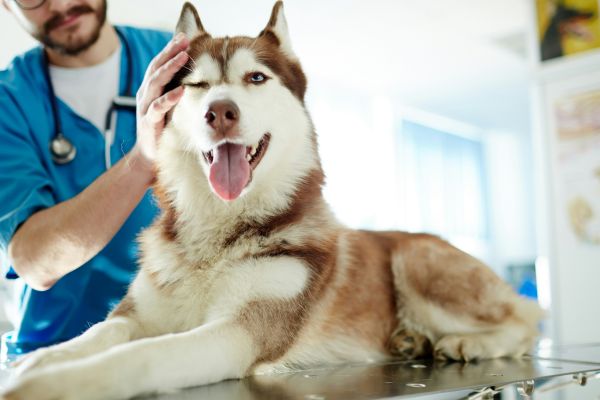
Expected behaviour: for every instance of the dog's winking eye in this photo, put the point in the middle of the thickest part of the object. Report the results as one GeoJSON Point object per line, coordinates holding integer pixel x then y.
{"type": "Point", "coordinates": [201, 84]}
{"type": "Point", "coordinates": [256, 78]}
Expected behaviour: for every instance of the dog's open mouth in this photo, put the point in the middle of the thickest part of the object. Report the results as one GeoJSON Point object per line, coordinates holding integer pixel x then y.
{"type": "Point", "coordinates": [231, 166]}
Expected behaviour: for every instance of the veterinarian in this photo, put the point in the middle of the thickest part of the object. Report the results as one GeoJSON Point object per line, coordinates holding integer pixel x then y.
{"type": "Point", "coordinates": [75, 162]}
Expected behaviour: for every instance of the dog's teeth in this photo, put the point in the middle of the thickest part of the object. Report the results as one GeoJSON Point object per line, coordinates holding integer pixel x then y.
{"type": "Point", "coordinates": [252, 151]}
{"type": "Point", "coordinates": [248, 157]}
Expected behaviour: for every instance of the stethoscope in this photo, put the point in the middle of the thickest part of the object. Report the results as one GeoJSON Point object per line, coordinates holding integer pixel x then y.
{"type": "Point", "coordinates": [62, 149]}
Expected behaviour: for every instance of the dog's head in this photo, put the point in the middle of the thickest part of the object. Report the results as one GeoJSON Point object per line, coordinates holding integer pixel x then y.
{"type": "Point", "coordinates": [242, 114]}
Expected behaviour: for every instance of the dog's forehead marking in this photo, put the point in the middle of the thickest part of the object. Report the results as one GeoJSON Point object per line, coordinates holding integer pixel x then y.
{"type": "Point", "coordinates": [244, 61]}
{"type": "Point", "coordinates": [224, 50]}
{"type": "Point", "coordinates": [206, 69]}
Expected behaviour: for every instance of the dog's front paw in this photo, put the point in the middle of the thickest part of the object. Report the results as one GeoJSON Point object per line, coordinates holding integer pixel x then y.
{"type": "Point", "coordinates": [460, 348]}
{"type": "Point", "coordinates": [40, 358]}
{"type": "Point", "coordinates": [36, 386]}
{"type": "Point", "coordinates": [86, 379]}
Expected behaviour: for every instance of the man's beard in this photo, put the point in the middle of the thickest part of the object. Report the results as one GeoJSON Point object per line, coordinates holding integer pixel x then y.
{"type": "Point", "coordinates": [69, 46]}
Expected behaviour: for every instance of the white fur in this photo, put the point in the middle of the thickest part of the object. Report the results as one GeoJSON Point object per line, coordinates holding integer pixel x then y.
{"type": "Point", "coordinates": [281, 31]}
{"type": "Point", "coordinates": [219, 292]}
{"type": "Point", "coordinates": [99, 337]}
{"type": "Point", "coordinates": [267, 108]}
{"type": "Point", "coordinates": [206, 69]}
{"type": "Point", "coordinates": [209, 353]}
{"type": "Point", "coordinates": [187, 23]}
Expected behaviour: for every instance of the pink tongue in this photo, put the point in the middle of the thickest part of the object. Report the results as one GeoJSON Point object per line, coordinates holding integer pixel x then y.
{"type": "Point", "coordinates": [229, 172]}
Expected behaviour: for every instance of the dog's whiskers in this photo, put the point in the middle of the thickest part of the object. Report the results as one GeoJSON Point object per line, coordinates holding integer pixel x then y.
{"type": "Point", "coordinates": [193, 62]}
{"type": "Point", "coordinates": [187, 68]}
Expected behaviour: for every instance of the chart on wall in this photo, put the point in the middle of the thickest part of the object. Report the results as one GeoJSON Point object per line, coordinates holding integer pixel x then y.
{"type": "Point", "coordinates": [577, 127]}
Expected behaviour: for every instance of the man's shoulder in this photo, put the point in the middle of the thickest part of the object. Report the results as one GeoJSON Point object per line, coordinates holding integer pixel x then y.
{"type": "Point", "coordinates": [22, 71]}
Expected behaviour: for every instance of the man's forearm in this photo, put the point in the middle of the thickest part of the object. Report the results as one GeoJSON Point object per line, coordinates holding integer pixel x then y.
{"type": "Point", "coordinates": [58, 240]}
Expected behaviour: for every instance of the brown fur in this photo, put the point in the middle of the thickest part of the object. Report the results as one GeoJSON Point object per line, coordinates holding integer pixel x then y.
{"type": "Point", "coordinates": [438, 271]}
{"type": "Point", "coordinates": [221, 49]}
{"type": "Point", "coordinates": [305, 198]}
{"type": "Point", "coordinates": [285, 319]}
{"type": "Point", "coordinates": [366, 296]}
{"type": "Point", "coordinates": [322, 262]}
{"type": "Point", "coordinates": [125, 308]}
{"type": "Point", "coordinates": [154, 277]}
{"type": "Point", "coordinates": [169, 221]}
{"type": "Point", "coordinates": [169, 214]}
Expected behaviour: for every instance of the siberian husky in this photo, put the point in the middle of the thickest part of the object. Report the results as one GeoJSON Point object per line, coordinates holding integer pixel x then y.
{"type": "Point", "coordinates": [247, 271]}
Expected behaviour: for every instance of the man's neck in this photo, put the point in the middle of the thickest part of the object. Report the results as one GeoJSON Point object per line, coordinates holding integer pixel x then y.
{"type": "Point", "coordinates": [107, 43]}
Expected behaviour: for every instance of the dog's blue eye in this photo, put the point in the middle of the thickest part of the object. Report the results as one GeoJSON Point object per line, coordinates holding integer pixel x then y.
{"type": "Point", "coordinates": [257, 77]}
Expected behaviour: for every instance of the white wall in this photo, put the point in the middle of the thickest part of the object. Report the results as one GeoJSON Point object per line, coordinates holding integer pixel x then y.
{"type": "Point", "coordinates": [510, 193]}
{"type": "Point", "coordinates": [574, 266]}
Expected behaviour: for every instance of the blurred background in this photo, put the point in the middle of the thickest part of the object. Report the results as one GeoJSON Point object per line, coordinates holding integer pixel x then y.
{"type": "Point", "coordinates": [439, 116]}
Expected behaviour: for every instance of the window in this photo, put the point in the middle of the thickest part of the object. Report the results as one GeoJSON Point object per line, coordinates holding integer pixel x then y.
{"type": "Point", "coordinates": [399, 168]}
{"type": "Point", "coordinates": [442, 185]}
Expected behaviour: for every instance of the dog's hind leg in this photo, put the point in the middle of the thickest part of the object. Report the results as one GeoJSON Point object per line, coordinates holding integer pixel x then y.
{"type": "Point", "coordinates": [459, 303]}
{"type": "Point", "coordinates": [509, 341]}
{"type": "Point", "coordinates": [117, 329]}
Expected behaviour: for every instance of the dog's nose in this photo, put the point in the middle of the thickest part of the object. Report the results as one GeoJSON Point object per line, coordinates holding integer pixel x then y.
{"type": "Point", "coordinates": [223, 116]}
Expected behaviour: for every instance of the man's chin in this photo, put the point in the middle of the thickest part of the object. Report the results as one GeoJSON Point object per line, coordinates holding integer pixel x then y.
{"type": "Point", "coordinates": [75, 35]}
{"type": "Point", "coordinates": [72, 41]}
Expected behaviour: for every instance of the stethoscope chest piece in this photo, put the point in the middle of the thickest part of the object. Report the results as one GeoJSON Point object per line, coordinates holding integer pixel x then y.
{"type": "Point", "coordinates": [62, 149]}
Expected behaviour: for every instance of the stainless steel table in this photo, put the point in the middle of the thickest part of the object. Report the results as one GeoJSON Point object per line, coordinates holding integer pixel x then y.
{"type": "Point", "coordinates": [545, 374]}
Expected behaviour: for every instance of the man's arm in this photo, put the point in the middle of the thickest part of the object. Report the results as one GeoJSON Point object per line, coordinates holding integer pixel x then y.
{"type": "Point", "coordinates": [58, 240]}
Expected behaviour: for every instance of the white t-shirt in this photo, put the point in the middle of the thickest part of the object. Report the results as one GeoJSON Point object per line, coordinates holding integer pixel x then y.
{"type": "Point", "coordinates": [89, 91]}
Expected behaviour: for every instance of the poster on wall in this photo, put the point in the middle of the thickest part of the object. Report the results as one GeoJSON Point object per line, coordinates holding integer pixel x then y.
{"type": "Point", "coordinates": [577, 122]}
{"type": "Point", "coordinates": [567, 27]}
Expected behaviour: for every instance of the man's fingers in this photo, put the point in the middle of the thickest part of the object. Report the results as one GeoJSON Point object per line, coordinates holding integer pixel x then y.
{"type": "Point", "coordinates": [159, 107]}
{"type": "Point", "coordinates": [153, 86]}
{"type": "Point", "coordinates": [161, 77]}
{"type": "Point", "coordinates": [177, 44]}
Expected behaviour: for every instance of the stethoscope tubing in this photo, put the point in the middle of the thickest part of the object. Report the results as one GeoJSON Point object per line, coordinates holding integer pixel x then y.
{"type": "Point", "coordinates": [61, 148]}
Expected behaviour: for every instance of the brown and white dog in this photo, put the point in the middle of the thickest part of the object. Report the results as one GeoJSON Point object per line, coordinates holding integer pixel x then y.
{"type": "Point", "coordinates": [247, 271]}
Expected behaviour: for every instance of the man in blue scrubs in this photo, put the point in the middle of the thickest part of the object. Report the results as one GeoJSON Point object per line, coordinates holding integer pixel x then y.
{"type": "Point", "coordinates": [67, 231]}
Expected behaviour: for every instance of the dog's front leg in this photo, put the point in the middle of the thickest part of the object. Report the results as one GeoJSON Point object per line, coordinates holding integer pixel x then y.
{"type": "Point", "coordinates": [98, 338]}
{"type": "Point", "coordinates": [211, 353]}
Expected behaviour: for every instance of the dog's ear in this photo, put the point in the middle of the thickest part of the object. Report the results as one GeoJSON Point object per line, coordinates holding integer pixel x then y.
{"type": "Point", "coordinates": [189, 22]}
{"type": "Point", "coordinates": [277, 30]}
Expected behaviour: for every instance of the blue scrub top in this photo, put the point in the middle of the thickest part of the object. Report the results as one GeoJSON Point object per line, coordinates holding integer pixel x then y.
{"type": "Point", "coordinates": [30, 181]}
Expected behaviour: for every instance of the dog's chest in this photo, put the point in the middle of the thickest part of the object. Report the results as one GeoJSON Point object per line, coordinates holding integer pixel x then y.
{"type": "Point", "coordinates": [219, 292]}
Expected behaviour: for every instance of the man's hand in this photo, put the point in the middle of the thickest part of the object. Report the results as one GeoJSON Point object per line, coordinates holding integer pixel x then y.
{"type": "Point", "coordinates": [152, 104]}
